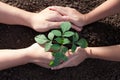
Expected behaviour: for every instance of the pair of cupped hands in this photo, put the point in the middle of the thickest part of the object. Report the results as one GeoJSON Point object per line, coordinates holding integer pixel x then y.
{"type": "Point", "coordinates": [51, 18]}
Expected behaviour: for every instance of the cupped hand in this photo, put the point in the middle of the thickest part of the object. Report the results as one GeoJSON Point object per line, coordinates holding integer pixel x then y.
{"type": "Point", "coordinates": [74, 59]}
{"type": "Point", "coordinates": [38, 55]}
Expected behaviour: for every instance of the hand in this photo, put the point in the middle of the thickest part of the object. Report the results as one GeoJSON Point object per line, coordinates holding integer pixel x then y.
{"type": "Point", "coordinates": [74, 59]}
{"type": "Point", "coordinates": [38, 55]}
{"type": "Point", "coordinates": [47, 19]}
{"type": "Point", "coordinates": [73, 15]}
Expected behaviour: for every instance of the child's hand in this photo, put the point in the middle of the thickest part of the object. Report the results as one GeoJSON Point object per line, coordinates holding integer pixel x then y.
{"type": "Point", "coordinates": [73, 15]}
{"type": "Point", "coordinates": [74, 59]}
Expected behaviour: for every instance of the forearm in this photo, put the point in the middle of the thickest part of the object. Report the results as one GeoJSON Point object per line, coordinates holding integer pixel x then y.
{"type": "Point", "coordinates": [108, 53]}
{"type": "Point", "coordinates": [13, 15]}
{"type": "Point", "coordinates": [11, 58]}
{"type": "Point", "coordinates": [108, 8]}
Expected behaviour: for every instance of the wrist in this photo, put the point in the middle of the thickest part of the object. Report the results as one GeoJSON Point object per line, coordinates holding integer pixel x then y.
{"type": "Point", "coordinates": [82, 20]}
{"type": "Point", "coordinates": [27, 55]}
{"type": "Point", "coordinates": [88, 51]}
{"type": "Point", "coordinates": [29, 19]}
{"type": "Point", "coordinates": [85, 19]}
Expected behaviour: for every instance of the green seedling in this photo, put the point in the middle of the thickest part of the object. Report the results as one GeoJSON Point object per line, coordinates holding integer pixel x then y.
{"type": "Point", "coordinates": [57, 41]}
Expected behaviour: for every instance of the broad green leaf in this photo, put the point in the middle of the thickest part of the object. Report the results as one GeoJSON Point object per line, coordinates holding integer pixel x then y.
{"type": "Point", "coordinates": [51, 36]}
{"type": "Point", "coordinates": [48, 46]}
{"type": "Point", "coordinates": [75, 37]}
{"type": "Point", "coordinates": [73, 47]}
{"type": "Point", "coordinates": [55, 47]}
{"type": "Point", "coordinates": [65, 26]}
{"type": "Point", "coordinates": [66, 41]}
{"type": "Point", "coordinates": [83, 43]}
{"type": "Point", "coordinates": [59, 40]}
{"type": "Point", "coordinates": [56, 32]}
{"type": "Point", "coordinates": [68, 34]}
{"type": "Point", "coordinates": [41, 39]}
{"type": "Point", "coordinates": [63, 49]}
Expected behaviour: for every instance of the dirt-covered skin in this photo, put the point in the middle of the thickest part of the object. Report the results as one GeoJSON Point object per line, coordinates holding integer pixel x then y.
{"type": "Point", "coordinates": [102, 33]}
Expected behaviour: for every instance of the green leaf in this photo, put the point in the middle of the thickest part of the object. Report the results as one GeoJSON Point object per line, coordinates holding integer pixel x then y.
{"type": "Point", "coordinates": [68, 34]}
{"type": "Point", "coordinates": [55, 47]}
{"type": "Point", "coordinates": [63, 49]}
{"type": "Point", "coordinates": [83, 43]}
{"type": "Point", "coordinates": [56, 32]}
{"type": "Point", "coordinates": [58, 57]}
{"type": "Point", "coordinates": [55, 62]}
{"type": "Point", "coordinates": [66, 41]}
{"type": "Point", "coordinates": [75, 37]}
{"type": "Point", "coordinates": [73, 47]}
{"type": "Point", "coordinates": [51, 36]}
{"type": "Point", "coordinates": [59, 40]}
{"type": "Point", "coordinates": [41, 39]}
{"type": "Point", "coordinates": [65, 26]}
{"type": "Point", "coordinates": [51, 63]}
{"type": "Point", "coordinates": [64, 58]}
{"type": "Point", "coordinates": [48, 46]}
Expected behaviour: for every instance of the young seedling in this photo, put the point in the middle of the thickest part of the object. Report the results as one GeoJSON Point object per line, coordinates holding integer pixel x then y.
{"type": "Point", "coordinates": [57, 40]}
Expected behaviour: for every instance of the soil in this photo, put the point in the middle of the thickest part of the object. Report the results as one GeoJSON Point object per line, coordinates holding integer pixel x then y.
{"type": "Point", "coordinates": [101, 33]}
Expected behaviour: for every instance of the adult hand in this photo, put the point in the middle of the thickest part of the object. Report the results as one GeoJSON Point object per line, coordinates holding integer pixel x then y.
{"type": "Point", "coordinates": [47, 19]}
{"type": "Point", "coordinates": [73, 15]}
{"type": "Point", "coordinates": [38, 55]}
{"type": "Point", "coordinates": [74, 59]}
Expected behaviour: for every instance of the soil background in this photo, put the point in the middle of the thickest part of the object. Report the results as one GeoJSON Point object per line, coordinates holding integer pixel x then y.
{"type": "Point", "coordinates": [105, 32]}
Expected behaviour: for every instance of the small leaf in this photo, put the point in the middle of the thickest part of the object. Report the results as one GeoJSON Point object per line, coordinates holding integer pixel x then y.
{"type": "Point", "coordinates": [55, 47]}
{"type": "Point", "coordinates": [55, 62]}
{"type": "Point", "coordinates": [73, 47]}
{"type": "Point", "coordinates": [68, 34]}
{"type": "Point", "coordinates": [56, 32]}
{"type": "Point", "coordinates": [63, 49]}
{"type": "Point", "coordinates": [41, 39]}
{"type": "Point", "coordinates": [59, 40]}
{"type": "Point", "coordinates": [83, 43]}
{"type": "Point", "coordinates": [48, 46]}
{"type": "Point", "coordinates": [65, 58]}
{"type": "Point", "coordinates": [51, 36]}
{"type": "Point", "coordinates": [66, 41]}
{"type": "Point", "coordinates": [58, 57]}
{"type": "Point", "coordinates": [75, 37]}
{"type": "Point", "coordinates": [51, 63]}
{"type": "Point", "coordinates": [65, 26]}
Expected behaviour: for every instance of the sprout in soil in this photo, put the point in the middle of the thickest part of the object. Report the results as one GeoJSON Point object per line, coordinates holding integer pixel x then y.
{"type": "Point", "coordinates": [57, 41]}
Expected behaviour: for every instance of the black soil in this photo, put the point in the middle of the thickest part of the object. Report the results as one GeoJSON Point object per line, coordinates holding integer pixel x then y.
{"type": "Point", "coordinates": [102, 33]}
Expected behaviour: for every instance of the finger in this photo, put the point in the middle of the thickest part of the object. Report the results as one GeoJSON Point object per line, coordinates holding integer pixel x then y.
{"type": "Point", "coordinates": [62, 18]}
{"type": "Point", "coordinates": [61, 10]}
{"type": "Point", "coordinates": [59, 18]}
{"type": "Point", "coordinates": [54, 25]}
{"type": "Point", "coordinates": [76, 28]}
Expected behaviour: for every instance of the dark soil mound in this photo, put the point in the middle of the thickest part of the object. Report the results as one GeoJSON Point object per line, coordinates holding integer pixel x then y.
{"type": "Point", "coordinates": [102, 33]}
